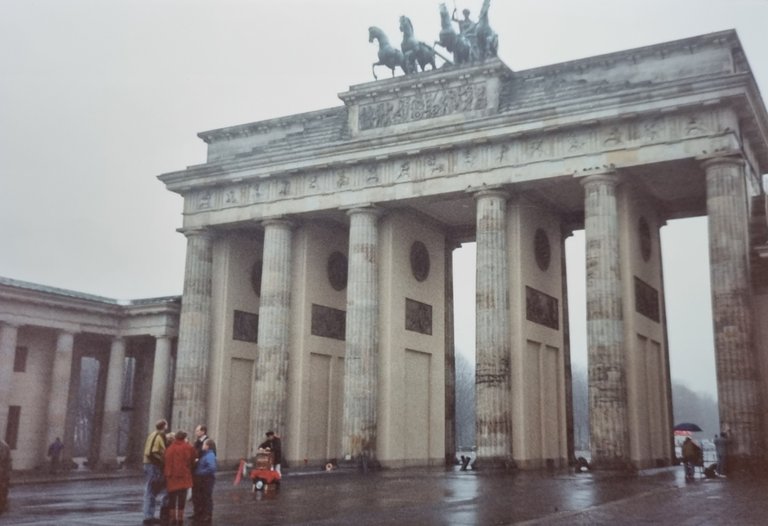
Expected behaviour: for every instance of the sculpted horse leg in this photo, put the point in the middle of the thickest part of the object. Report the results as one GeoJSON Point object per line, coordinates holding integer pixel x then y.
{"type": "Point", "coordinates": [373, 69]}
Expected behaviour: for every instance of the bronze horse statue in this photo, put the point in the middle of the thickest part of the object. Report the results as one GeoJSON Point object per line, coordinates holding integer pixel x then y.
{"type": "Point", "coordinates": [414, 51]}
{"type": "Point", "coordinates": [454, 42]}
{"type": "Point", "coordinates": [486, 38]}
{"type": "Point", "coordinates": [389, 56]}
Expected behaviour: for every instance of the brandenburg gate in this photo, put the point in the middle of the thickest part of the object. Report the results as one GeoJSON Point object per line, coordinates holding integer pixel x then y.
{"type": "Point", "coordinates": [318, 285]}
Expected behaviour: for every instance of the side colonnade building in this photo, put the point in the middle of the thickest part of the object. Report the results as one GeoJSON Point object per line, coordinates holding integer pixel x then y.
{"type": "Point", "coordinates": [46, 333]}
{"type": "Point", "coordinates": [317, 295]}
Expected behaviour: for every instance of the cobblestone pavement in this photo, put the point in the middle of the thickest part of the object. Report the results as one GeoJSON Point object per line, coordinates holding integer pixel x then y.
{"type": "Point", "coordinates": [415, 497]}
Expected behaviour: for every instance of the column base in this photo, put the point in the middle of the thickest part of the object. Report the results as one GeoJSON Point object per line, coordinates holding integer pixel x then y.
{"type": "Point", "coordinates": [361, 463]}
{"type": "Point", "coordinates": [494, 463]}
{"type": "Point", "coordinates": [111, 465]}
{"type": "Point", "coordinates": [612, 464]}
{"type": "Point", "coordinates": [746, 466]}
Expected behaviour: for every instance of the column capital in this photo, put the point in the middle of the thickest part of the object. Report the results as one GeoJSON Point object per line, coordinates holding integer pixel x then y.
{"type": "Point", "coordinates": [8, 324]}
{"type": "Point", "coordinates": [278, 221]}
{"type": "Point", "coordinates": [733, 159]}
{"type": "Point", "coordinates": [369, 209]}
{"type": "Point", "coordinates": [611, 178]}
{"type": "Point", "coordinates": [196, 232]}
{"type": "Point", "coordinates": [489, 191]}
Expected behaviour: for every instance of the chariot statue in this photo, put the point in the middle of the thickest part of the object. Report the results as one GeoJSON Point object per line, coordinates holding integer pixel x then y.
{"type": "Point", "coordinates": [474, 42]}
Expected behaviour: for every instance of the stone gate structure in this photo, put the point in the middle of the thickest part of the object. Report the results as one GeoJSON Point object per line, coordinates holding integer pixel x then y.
{"type": "Point", "coordinates": [317, 290]}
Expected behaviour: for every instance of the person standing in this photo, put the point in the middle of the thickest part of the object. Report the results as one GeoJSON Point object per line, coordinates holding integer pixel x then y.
{"type": "Point", "coordinates": [154, 455]}
{"type": "Point", "coordinates": [205, 478]}
{"type": "Point", "coordinates": [272, 443]}
{"type": "Point", "coordinates": [179, 460]}
{"type": "Point", "coordinates": [201, 435]}
{"type": "Point", "coordinates": [721, 448]}
{"type": "Point", "coordinates": [54, 452]}
{"type": "Point", "coordinates": [691, 455]}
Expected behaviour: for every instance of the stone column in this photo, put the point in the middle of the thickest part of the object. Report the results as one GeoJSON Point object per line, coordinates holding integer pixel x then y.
{"type": "Point", "coordinates": [450, 358]}
{"type": "Point", "coordinates": [737, 372]}
{"type": "Point", "coordinates": [59, 387]}
{"type": "Point", "coordinates": [8, 337]}
{"type": "Point", "coordinates": [493, 389]}
{"type": "Point", "coordinates": [113, 400]}
{"type": "Point", "coordinates": [271, 386]}
{"type": "Point", "coordinates": [190, 394]}
{"type": "Point", "coordinates": [158, 398]}
{"type": "Point", "coordinates": [609, 433]}
{"type": "Point", "coordinates": [361, 362]}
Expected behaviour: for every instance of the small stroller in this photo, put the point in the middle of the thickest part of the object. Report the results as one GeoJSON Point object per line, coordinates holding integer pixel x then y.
{"type": "Point", "coordinates": [262, 475]}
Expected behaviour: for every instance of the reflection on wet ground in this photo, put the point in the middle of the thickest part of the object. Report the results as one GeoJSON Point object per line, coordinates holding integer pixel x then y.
{"type": "Point", "coordinates": [414, 496]}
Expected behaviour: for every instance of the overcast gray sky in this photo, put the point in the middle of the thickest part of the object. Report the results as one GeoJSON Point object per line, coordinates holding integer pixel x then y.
{"type": "Point", "coordinates": [97, 98]}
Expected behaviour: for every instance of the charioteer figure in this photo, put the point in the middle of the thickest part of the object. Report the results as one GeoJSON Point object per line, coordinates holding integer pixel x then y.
{"type": "Point", "coordinates": [466, 25]}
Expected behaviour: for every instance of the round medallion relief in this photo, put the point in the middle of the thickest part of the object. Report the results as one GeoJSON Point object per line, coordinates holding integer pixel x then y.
{"type": "Point", "coordinates": [644, 233]}
{"type": "Point", "coordinates": [256, 277]}
{"type": "Point", "coordinates": [419, 261]}
{"type": "Point", "coordinates": [337, 270]}
{"type": "Point", "coordinates": [541, 249]}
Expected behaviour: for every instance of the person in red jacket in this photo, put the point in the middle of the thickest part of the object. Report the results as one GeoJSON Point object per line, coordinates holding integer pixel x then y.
{"type": "Point", "coordinates": [179, 459]}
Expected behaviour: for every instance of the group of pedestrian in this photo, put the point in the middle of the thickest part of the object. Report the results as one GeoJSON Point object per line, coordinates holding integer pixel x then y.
{"type": "Point", "coordinates": [693, 456]}
{"type": "Point", "coordinates": [173, 466]}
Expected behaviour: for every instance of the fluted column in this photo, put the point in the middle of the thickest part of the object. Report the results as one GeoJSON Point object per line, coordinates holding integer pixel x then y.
{"type": "Point", "coordinates": [737, 372]}
{"type": "Point", "coordinates": [609, 435]}
{"type": "Point", "coordinates": [158, 398]}
{"type": "Point", "coordinates": [8, 336]}
{"type": "Point", "coordinates": [271, 387]}
{"type": "Point", "coordinates": [361, 367]}
{"type": "Point", "coordinates": [58, 398]}
{"type": "Point", "coordinates": [113, 398]}
{"type": "Point", "coordinates": [492, 371]}
{"type": "Point", "coordinates": [194, 350]}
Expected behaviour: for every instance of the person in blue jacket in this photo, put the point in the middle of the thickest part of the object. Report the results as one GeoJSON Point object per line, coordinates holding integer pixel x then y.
{"type": "Point", "coordinates": [205, 476]}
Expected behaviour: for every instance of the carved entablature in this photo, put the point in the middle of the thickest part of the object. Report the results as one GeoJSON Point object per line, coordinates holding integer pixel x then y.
{"type": "Point", "coordinates": [575, 152]}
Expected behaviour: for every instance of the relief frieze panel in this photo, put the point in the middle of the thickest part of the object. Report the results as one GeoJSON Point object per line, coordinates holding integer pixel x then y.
{"type": "Point", "coordinates": [423, 105]}
{"type": "Point", "coordinates": [419, 166]}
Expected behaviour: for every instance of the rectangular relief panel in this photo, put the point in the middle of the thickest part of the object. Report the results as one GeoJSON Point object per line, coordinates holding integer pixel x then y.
{"type": "Point", "coordinates": [417, 405]}
{"type": "Point", "coordinates": [543, 388]}
{"type": "Point", "coordinates": [245, 326]}
{"type": "Point", "coordinates": [418, 317]}
{"type": "Point", "coordinates": [541, 308]}
{"type": "Point", "coordinates": [239, 408]}
{"type": "Point", "coordinates": [550, 402]}
{"type": "Point", "coordinates": [328, 322]}
{"type": "Point", "coordinates": [319, 405]}
{"type": "Point", "coordinates": [647, 300]}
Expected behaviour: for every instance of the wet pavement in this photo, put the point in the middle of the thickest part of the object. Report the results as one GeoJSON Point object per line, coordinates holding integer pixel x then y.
{"type": "Point", "coordinates": [412, 497]}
